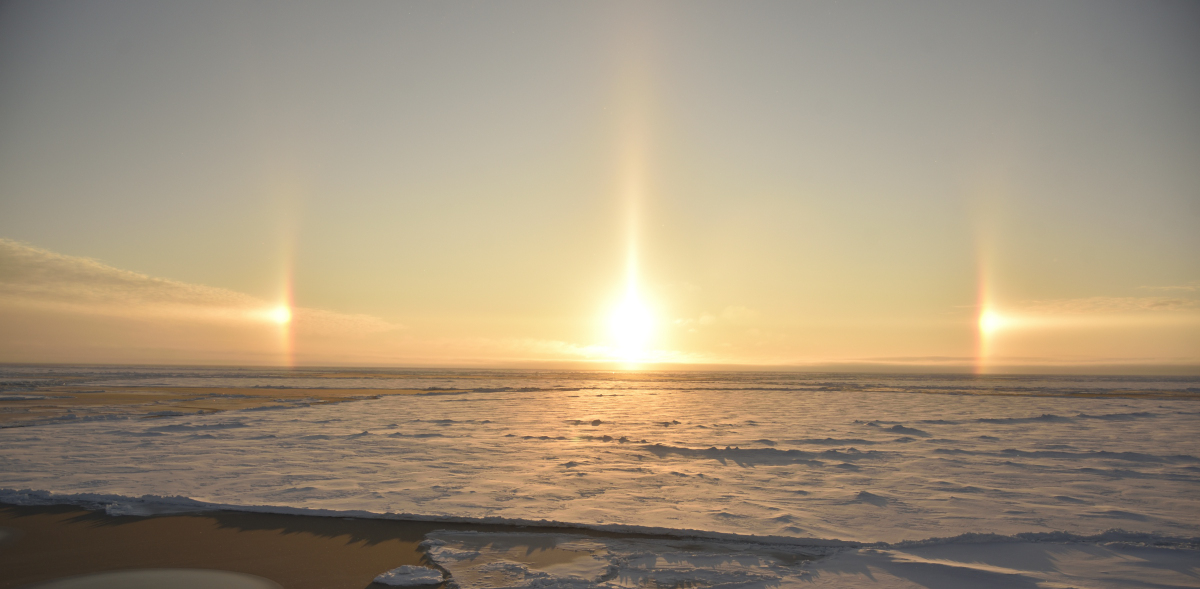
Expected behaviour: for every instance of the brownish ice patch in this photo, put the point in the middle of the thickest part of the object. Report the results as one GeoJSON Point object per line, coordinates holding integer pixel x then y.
{"type": "Point", "coordinates": [61, 402]}
{"type": "Point", "coordinates": [295, 551]}
{"type": "Point", "coordinates": [40, 543]}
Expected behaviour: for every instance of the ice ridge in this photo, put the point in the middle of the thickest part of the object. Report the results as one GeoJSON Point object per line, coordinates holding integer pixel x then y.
{"type": "Point", "coordinates": [146, 505]}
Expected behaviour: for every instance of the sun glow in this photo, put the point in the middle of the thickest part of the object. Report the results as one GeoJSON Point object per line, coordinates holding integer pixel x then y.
{"type": "Point", "coordinates": [281, 315]}
{"type": "Point", "coordinates": [988, 325]}
{"type": "Point", "coordinates": [990, 322]}
{"type": "Point", "coordinates": [631, 326]}
{"type": "Point", "coordinates": [631, 323]}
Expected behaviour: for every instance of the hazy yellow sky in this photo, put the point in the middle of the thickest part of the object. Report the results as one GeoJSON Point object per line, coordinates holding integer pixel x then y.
{"type": "Point", "coordinates": [950, 185]}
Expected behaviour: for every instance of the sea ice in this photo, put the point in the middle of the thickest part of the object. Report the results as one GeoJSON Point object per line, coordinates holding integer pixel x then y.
{"type": "Point", "coordinates": [1009, 565]}
{"type": "Point", "coordinates": [521, 560]}
{"type": "Point", "coordinates": [410, 576]}
{"type": "Point", "coordinates": [835, 470]}
{"type": "Point", "coordinates": [802, 460]}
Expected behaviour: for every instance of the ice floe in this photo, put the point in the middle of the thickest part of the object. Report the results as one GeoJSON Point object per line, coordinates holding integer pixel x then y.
{"type": "Point", "coordinates": [410, 576]}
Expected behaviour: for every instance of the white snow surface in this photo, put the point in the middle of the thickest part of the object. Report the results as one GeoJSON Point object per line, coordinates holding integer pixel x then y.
{"type": "Point", "coordinates": [796, 459]}
{"type": "Point", "coordinates": [1007, 565]}
{"type": "Point", "coordinates": [519, 561]}
{"type": "Point", "coordinates": [410, 576]}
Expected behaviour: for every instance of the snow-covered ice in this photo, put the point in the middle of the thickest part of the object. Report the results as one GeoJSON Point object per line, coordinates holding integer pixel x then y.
{"type": "Point", "coordinates": [1009, 565]}
{"type": "Point", "coordinates": [519, 561]}
{"type": "Point", "coordinates": [410, 576]}
{"type": "Point", "coordinates": [802, 460]}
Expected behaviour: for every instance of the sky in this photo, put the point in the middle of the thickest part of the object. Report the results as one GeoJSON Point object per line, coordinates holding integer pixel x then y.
{"type": "Point", "coordinates": [903, 185]}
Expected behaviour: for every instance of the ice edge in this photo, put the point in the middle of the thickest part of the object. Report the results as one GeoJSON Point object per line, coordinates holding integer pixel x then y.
{"type": "Point", "coordinates": [117, 505]}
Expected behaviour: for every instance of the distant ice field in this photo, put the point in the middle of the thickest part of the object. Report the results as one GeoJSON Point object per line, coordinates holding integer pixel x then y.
{"type": "Point", "coordinates": [14, 377]}
{"type": "Point", "coordinates": [819, 457]}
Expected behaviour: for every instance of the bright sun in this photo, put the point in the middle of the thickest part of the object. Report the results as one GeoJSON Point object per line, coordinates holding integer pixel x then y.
{"type": "Point", "coordinates": [281, 314]}
{"type": "Point", "coordinates": [631, 325]}
{"type": "Point", "coordinates": [990, 322]}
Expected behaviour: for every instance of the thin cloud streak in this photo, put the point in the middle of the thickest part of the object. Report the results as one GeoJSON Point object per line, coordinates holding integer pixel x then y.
{"type": "Point", "coordinates": [1110, 305]}
{"type": "Point", "coordinates": [37, 279]}
{"type": "Point", "coordinates": [1189, 287]}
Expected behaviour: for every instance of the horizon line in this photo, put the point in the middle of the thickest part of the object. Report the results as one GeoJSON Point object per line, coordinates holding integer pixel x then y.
{"type": "Point", "coordinates": [859, 367]}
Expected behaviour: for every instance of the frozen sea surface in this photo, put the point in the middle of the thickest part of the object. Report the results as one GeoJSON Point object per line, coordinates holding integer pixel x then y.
{"type": "Point", "coordinates": [794, 458]}
{"type": "Point", "coordinates": [491, 561]}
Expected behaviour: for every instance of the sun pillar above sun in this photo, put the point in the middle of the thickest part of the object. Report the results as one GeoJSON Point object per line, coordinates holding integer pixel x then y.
{"type": "Point", "coordinates": [630, 320]}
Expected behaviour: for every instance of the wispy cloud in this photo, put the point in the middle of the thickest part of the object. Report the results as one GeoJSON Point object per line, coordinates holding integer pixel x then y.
{"type": "Point", "coordinates": [35, 278]}
{"type": "Point", "coordinates": [732, 315]}
{"type": "Point", "coordinates": [1193, 286]}
{"type": "Point", "coordinates": [1110, 305]}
